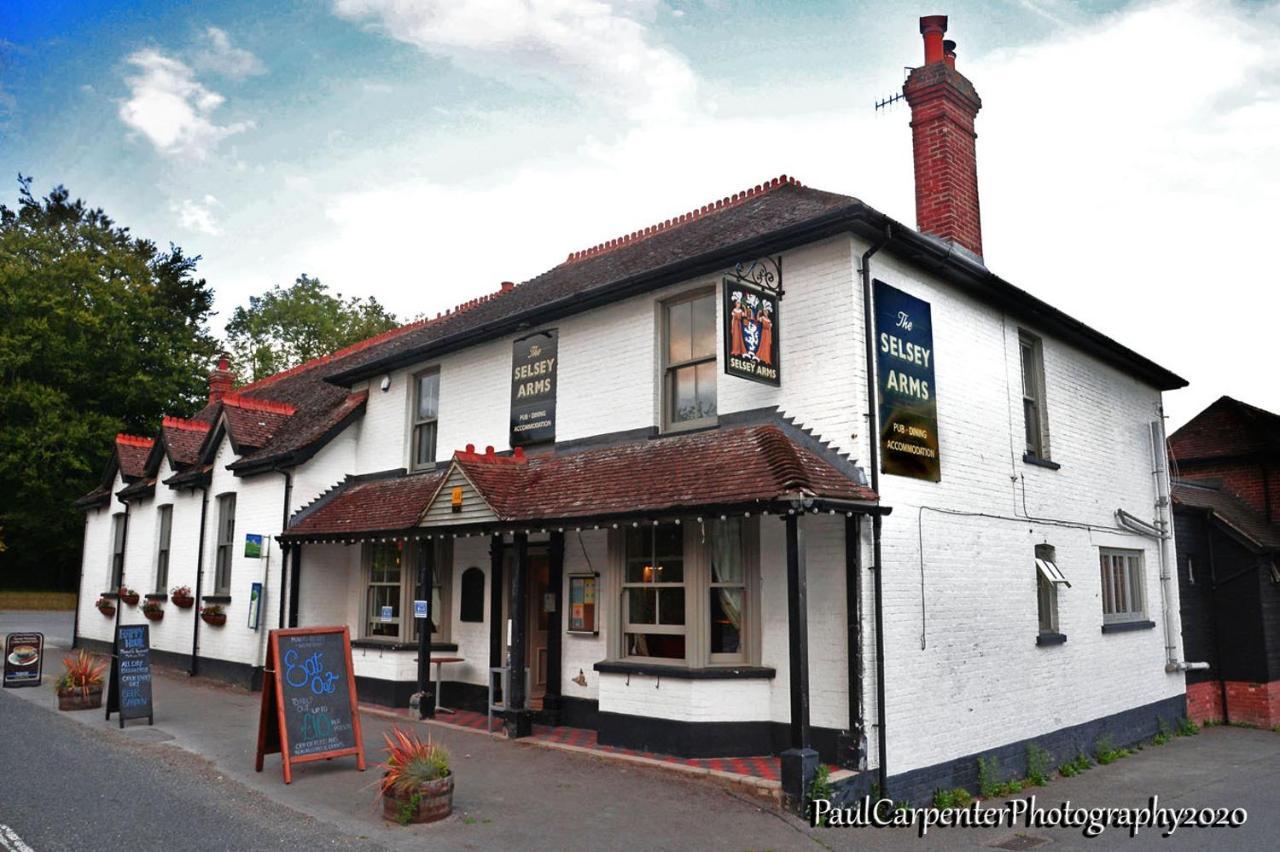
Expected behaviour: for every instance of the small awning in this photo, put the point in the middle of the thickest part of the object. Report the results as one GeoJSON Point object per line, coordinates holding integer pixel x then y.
{"type": "Point", "coordinates": [1050, 571]}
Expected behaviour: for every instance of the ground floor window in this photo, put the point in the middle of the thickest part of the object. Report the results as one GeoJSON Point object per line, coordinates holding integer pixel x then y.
{"type": "Point", "coordinates": [1048, 578]}
{"type": "Point", "coordinates": [1123, 598]}
{"type": "Point", "coordinates": [391, 571]}
{"type": "Point", "coordinates": [687, 592]}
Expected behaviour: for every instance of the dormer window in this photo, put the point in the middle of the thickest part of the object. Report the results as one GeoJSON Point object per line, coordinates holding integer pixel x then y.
{"type": "Point", "coordinates": [426, 409]}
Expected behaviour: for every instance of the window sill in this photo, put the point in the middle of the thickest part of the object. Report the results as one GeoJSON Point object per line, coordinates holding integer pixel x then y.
{"type": "Point", "coordinates": [684, 672]}
{"type": "Point", "coordinates": [111, 596]}
{"type": "Point", "coordinates": [160, 597]}
{"type": "Point", "coordinates": [401, 646]}
{"type": "Point", "coordinates": [1039, 462]}
{"type": "Point", "coordinates": [700, 426]}
{"type": "Point", "coordinates": [216, 599]}
{"type": "Point", "coordinates": [1126, 626]}
{"type": "Point", "coordinates": [1045, 639]}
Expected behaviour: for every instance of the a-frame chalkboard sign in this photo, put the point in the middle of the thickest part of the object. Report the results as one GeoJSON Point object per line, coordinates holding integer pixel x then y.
{"type": "Point", "coordinates": [129, 687]}
{"type": "Point", "coordinates": [309, 706]}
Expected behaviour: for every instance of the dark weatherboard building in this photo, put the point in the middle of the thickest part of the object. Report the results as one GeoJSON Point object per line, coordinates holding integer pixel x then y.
{"type": "Point", "coordinates": [778, 475]}
{"type": "Point", "coordinates": [1226, 506]}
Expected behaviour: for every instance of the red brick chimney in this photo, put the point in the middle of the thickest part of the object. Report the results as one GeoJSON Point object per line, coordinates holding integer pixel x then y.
{"type": "Point", "coordinates": [943, 107]}
{"type": "Point", "coordinates": [221, 380]}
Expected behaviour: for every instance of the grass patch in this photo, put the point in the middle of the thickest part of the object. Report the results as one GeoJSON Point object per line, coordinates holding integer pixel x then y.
{"type": "Point", "coordinates": [1039, 765]}
{"type": "Point", "coordinates": [1107, 753]}
{"type": "Point", "coordinates": [956, 798]}
{"type": "Point", "coordinates": [1076, 765]}
{"type": "Point", "coordinates": [1188, 728]}
{"type": "Point", "coordinates": [1163, 732]}
{"type": "Point", "coordinates": [988, 776]}
{"type": "Point", "coordinates": [37, 600]}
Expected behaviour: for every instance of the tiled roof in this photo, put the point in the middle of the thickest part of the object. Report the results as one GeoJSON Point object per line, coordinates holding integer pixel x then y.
{"type": "Point", "coordinates": [1226, 428]}
{"type": "Point", "coordinates": [724, 467]}
{"type": "Point", "coordinates": [307, 431]}
{"type": "Point", "coordinates": [182, 439]}
{"type": "Point", "coordinates": [359, 507]}
{"type": "Point", "coordinates": [1229, 511]}
{"type": "Point", "coordinates": [747, 466]}
{"type": "Point", "coordinates": [252, 422]}
{"type": "Point", "coordinates": [131, 455]}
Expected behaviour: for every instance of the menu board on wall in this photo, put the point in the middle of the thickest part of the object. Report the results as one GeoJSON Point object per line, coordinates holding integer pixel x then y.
{"type": "Point", "coordinates": [583, 604]}
{"type": "Point", "coordinates": [309, 704]}
{"type": "Point", "coordinates": [908, 393]}
{"type": "Point", "coordinates": [534, 362]}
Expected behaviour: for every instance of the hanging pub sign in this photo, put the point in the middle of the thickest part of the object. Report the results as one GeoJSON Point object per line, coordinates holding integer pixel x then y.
{"type": "Point", "coordinates": [309, 705]}
{"type": "Point", "coordinates": [533, 388]}
{"type": "Point", "coordinates": [908, 393]}
{"type": "Point", "coordinates": [751, 331]}
{"type": "Point", "coordinates": [23, 659]}
{"type": "Point", "coordinates": [129, 686]}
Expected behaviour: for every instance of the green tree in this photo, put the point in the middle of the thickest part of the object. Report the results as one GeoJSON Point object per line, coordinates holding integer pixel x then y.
{"type": "Point", "coordinates": [100, 332]}
{"type": "Point", "coordinates": [287, 326]}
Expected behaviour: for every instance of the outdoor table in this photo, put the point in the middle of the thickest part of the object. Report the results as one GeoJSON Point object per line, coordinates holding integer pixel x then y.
{"type": "Point", "coordinates": [440, 661]}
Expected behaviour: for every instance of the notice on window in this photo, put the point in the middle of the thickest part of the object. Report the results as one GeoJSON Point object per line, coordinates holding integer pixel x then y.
{"type": "Point", "coordinates": [533, 388]}
{"type": "Point", "coordinates": [907, 390]}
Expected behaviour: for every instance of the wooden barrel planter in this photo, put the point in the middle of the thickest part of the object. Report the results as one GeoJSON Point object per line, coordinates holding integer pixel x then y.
{"type": "Point", "coordinates": [434, 801]}
{"type": "Point", "coordinates": [75, 699]}
{"type": "Point", "coordinates": [183, 602]}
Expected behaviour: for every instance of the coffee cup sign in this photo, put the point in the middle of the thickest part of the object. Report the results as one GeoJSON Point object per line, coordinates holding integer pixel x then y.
{"type": "Point", "coordinates": [23, 659]}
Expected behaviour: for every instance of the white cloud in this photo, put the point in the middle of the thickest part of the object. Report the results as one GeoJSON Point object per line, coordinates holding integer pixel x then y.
{"type": "Point", "coordinates": [599, 51]}
{"type": "Point", "coordinates": [171, 108]}
{"type": "Point", "coordinates": [222, 57]}
{"type": "Point", "coordinates": [198, 215]}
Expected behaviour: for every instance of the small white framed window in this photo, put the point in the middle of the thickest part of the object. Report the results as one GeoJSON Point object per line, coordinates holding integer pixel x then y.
{"type": "Point", "coordinates": [1048, 578]}
{"type": "Point", "coordinates": [164, 526]}
{"type": "Point", "coordinates": [1034, 413]}
{"type": "Point", "coordinates": [689, 373]}
{"type": "Point", "coordinates": [225, 544]}
{"type": "Point", "coordinates": [117, 550]}
{"type": "Point", "coordinates": [1123, 593]}
{"type": "Point", "coordinates": [426, 413]}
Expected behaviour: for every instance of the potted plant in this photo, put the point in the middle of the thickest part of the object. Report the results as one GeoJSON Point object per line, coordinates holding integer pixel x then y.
{"type": "Point", "coordinates": [106, 606]}
{"type": "Point", "coordinates": [214, 614]}
{"type": "Point", "coordinates": [181, 597]}
{"type": "Point", "coordinates": [417, 785]}
{"type": "Point", "coordinates": [152, 610]}
{"type": "Point", "coordinates": [80, 686]}
{"type": "Point", "coordinates": [129, 596]}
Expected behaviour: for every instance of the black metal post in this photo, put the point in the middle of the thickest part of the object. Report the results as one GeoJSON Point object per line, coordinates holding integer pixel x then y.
{"type": "Point", "coordinates": [852, 745]}
{"type": "Point", "coordinates": [551, 703]}
{"type": "Point", "coordinates": [426, 626]}
{"type": "Point", "coordinates": [800, 761]}
{"type": "Point", "coordinates": [496, 552]}
{"type": "Point", "coordinates": [519, 720]}
{"type": "Point", "coordinates": [295, 584]}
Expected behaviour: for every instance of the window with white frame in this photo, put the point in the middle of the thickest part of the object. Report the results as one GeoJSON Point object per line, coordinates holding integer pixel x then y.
{"type": "Point", "coordinates": [1123, 594]}
{"type": "Point", "coordinates": [426, 411]}
{"type": "Point", "coordinates": [689, 360]}
{"type": "Point", "coordinates": [164, 530]}
{"type": "Point", "coordinates": [1048, 578]}
{"type": "Point", "coordinates": [688, 592]}
{"type": "Point", "coordinates": [1034, 414]}
{"type": "Point", "coordinates": [117, 550]}
{"type": "Point", "coordinates": [391, 571]}
{"type": "Point", "coordinates": [225, 543]}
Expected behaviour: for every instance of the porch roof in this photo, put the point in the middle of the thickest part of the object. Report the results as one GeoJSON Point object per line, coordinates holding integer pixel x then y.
{"type": "Point", "coordinates": [753, 468]}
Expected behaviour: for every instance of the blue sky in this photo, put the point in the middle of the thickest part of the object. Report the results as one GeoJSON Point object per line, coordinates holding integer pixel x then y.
{"type": "Point", "coordinates": [424, 151]}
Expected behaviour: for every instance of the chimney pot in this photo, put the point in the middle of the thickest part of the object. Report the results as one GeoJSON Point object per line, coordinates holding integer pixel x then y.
{"type": "Point", "coordinates": [221, 380]}
{"type": "Point", "coordinates": [949, 53]}
{"type": "Point", "coordinates": [932, 27]}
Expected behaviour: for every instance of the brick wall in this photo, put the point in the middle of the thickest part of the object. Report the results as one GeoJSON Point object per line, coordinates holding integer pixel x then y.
{"type": "Point", "coordinates": [1256, 704]}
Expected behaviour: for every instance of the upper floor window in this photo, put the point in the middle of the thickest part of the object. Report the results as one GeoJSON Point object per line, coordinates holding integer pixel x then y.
{"type": "Point", "coordinates": [164, 524]}
{"type": "Point", "coordinates": [225, 544]}
{"type": "Point", "coordinates": [1034, 413]}
{"type": "Point", "coordinates": [426, 410]}
{"type": "Point", "coordinates": [689, 360]}
{"type": "Point", "coordinates": [1123, 596]}
{"type": "Point", "coordinates": [117, 550]}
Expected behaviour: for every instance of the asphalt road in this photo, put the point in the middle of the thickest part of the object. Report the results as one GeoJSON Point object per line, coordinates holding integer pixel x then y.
{"type": "Point", "coordinates": [66, 786]}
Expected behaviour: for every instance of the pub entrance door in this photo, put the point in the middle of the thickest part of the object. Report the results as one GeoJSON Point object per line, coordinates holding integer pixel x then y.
{"type": "Point", "coordinates": [539, 587]}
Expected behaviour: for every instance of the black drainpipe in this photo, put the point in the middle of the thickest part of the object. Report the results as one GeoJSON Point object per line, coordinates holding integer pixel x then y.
{"type": "Point", "coordinates": [195, 628]}
{"type": "Point", "coordinates": [873, 434]}
{"type": "Point", "coordinates": [124, 554]}
{"type": "Point", "coordinates": [284, 547]}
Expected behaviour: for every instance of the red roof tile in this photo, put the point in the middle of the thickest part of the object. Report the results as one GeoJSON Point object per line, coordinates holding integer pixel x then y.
{"type": "Point", "coordinates": [372, 506]}
{"type": "Point", "coordinates": [131, 455]}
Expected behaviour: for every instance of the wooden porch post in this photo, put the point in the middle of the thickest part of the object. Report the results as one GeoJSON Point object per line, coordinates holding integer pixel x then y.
{"type": "Point", "coordinates": [551, 705]}
{"type": "Point", "coordinates": [519, 720]}
{"type": "Point", "coordinates": [800, 761]}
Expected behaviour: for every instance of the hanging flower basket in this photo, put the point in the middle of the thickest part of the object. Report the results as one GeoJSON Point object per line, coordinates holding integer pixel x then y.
{"type": "Point", "coordinates": [181, 597]}
{"type": "Point", "coordinates": [153, 611]}
{"type": "Point", "coordinates": [129, 596]}
{"type": "Point", "coordinates": [106, 607]}
{"type": "Point", "coordinates": [213, 614]}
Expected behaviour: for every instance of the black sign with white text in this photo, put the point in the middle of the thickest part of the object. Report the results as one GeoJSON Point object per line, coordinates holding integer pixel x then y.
{"type": "Point", "coordinates": [23, 659]}
{"type": "Point", "coordinates": [533, 388]}
{"type": "Point", "coordinates": [129, 689]}
{"type": "Point", "coordinates": [908, 392]}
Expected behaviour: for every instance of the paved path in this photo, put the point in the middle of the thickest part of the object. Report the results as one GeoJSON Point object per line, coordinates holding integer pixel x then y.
{"type": "Point", "coordinates": [192, 774]}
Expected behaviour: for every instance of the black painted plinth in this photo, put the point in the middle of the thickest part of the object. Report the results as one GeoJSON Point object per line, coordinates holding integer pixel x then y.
{"type": "Point", "coordinates": [799, 767]}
